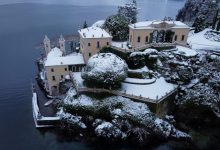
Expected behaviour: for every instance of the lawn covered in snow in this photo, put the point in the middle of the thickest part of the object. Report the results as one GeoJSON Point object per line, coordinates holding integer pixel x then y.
{"type": "Point", "coordinates": [154, 91]}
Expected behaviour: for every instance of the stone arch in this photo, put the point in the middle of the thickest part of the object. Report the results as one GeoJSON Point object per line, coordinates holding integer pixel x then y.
{"type": "Point", "coordinates": [154, 36]}
{"type": "Point", "coordinates": [161, 36]}
{"type": "Point", "coordinates": [169, 36]}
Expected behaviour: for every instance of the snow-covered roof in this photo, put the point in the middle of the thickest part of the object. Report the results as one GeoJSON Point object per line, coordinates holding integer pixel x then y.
{"type": "Point", "coordinates": [155, 24]}
{"type": "Point", "coordinates": [55, 58]}
{"type": "Point", "coordinates": [94, 32]}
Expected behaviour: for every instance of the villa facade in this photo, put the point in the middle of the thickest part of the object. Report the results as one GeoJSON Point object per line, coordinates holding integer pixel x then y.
{"type": "Point", "coordinates": [58, 66]}
{"type": "Point", "coordinates": [92, 40]}
{"type": "Point", "coordinates": [147, 32]}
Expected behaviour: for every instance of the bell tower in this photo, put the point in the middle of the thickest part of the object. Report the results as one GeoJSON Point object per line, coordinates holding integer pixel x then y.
{"type": "Point", "coordinates": [62, 44]}
{"type": "Point", "coordinates": [47, 46]}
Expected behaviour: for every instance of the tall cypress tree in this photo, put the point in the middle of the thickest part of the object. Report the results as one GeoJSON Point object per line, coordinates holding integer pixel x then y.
{"type": "Point", "coordinates": [85, 25]}
{"type": "Point", "coordinates": [218, 25]}
{"type": "Point", "coordinates": [215, 19]}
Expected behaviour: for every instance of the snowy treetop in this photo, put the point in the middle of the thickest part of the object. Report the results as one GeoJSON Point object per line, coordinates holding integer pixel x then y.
{"type": "Point", "coordinates": [99, 23]}
{"type": "Point", "coordinates": [94, 32]}
{"type": "Point", "coordinates": [106, 61]}
{"type": "Point", "coordinates": [55, 58]}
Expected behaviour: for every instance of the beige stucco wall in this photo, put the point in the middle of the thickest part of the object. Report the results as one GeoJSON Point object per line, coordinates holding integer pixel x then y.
{"type": "Point", "coordinates": [179, 32]}
{"type": "Point", "coordinates": [92, 49]}
{"type": "Point", "coordinates": [58, 71]}
{"type": "Point", "coordinates": [134, 33]}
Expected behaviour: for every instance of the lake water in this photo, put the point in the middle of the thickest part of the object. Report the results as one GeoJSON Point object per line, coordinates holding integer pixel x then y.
{"type": "Point", "coordinates": [24, 25]}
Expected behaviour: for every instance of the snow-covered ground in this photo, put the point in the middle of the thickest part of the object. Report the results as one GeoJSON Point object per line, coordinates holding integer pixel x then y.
{"type": "Point", "coordinates": [139, 81]}
{"type": "Point", "coordinates": [184, 51]}
{"type": "Point", "coordinates": [122, 45]}
{"type": "Point", "coordinates": [198, 41]}
{"type": "Point", "coordinates": [144, 69]}
{"type": "Point", "coordinates": [153, 91]}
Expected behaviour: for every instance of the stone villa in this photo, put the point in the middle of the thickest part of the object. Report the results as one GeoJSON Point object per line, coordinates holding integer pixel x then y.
{"type": "Point", "coordinates": [142, 33]}
{"type": "Point", "coordinates": [57, 65]}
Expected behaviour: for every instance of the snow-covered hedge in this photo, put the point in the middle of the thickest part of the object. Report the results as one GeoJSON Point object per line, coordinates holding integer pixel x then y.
{"type": "Point", "coordinates": [148, 57]}
{"type": "Point", "coordinates": [125, 119]}
{"type": "Point", "coordinates": [212, 36]}
{"type": "Point", "coordinates": [106, 68]}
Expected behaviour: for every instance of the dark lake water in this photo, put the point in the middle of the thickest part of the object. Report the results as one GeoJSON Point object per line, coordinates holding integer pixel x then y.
{"type": "Point", "coordinates": [24, 25]}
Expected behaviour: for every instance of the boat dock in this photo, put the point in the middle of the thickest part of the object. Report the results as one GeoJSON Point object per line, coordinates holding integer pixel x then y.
{"type": "Point", "coordinates": [44, 116]}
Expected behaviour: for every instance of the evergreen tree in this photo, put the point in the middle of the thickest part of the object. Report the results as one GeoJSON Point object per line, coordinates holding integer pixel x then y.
{"type": "Point", "coordinates": [117, 25]}
{"type": "Point", "coordinates": [129, 11]}
{"type": "Point", "coordinates": [215, 19]}
{"type": "Point", "coordinates": [85, 25]}
{"type": "Point", "coordinates": [135, 2]}
{"type": "Point", "coordinates": [199, 23]}
{"type": "Point", "coordinates": [218, 25]}
{"type": "Point", "coordinates": [194, 8]}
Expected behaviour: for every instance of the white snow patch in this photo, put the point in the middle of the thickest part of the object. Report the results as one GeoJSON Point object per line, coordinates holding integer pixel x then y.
{"type": "Point", "coordinates": [82, 100]}
{"type": "Point", "coordinates": [144, 69]}
{"type": "Point", "coordinates": [153, 91]}
{"type": "Point", "coordinates": [122, 45]}
{"type": "Point", "coordinates": [185, 51]}
{"type": "Point", "coordinates": [75, 120]}
{"type": "Point", "coordinates": [139, 81]}
{"type": "Point", "coordinates": [146, 52]}
{"type": "Point", "coordinates": [198, 41]}
{"type": "Point", "coordinates": [94, 32]}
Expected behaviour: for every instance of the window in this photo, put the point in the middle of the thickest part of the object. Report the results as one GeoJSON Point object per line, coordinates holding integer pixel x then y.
{"type": "Point", "coordinates": [89, 54]}
{"type": "Point", "coordinates": [98, 44]}
{"type": "Point", "coordinates": [89, 44]}
{"type": "Point", "coordinates": [53, 78]}
{"type": "Point", "coordinates": [146, 40]}
{"type": "Point", "coordinates": [52, 70]}
{"type": "Point", "coordinates": [130, 38]}
{"type": "Point", "coordinates": [107, 43]}
{"type": "Point", "coordinates": [175, 38]}
{"type": "Point", "coordinates": [139, 39]}
{"type": "Point", "coordinates": [61, 76]}
{"type": "Point", "coordinates": [65, 69]}
{"type": "Point", "coordinates": [183, 37]}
